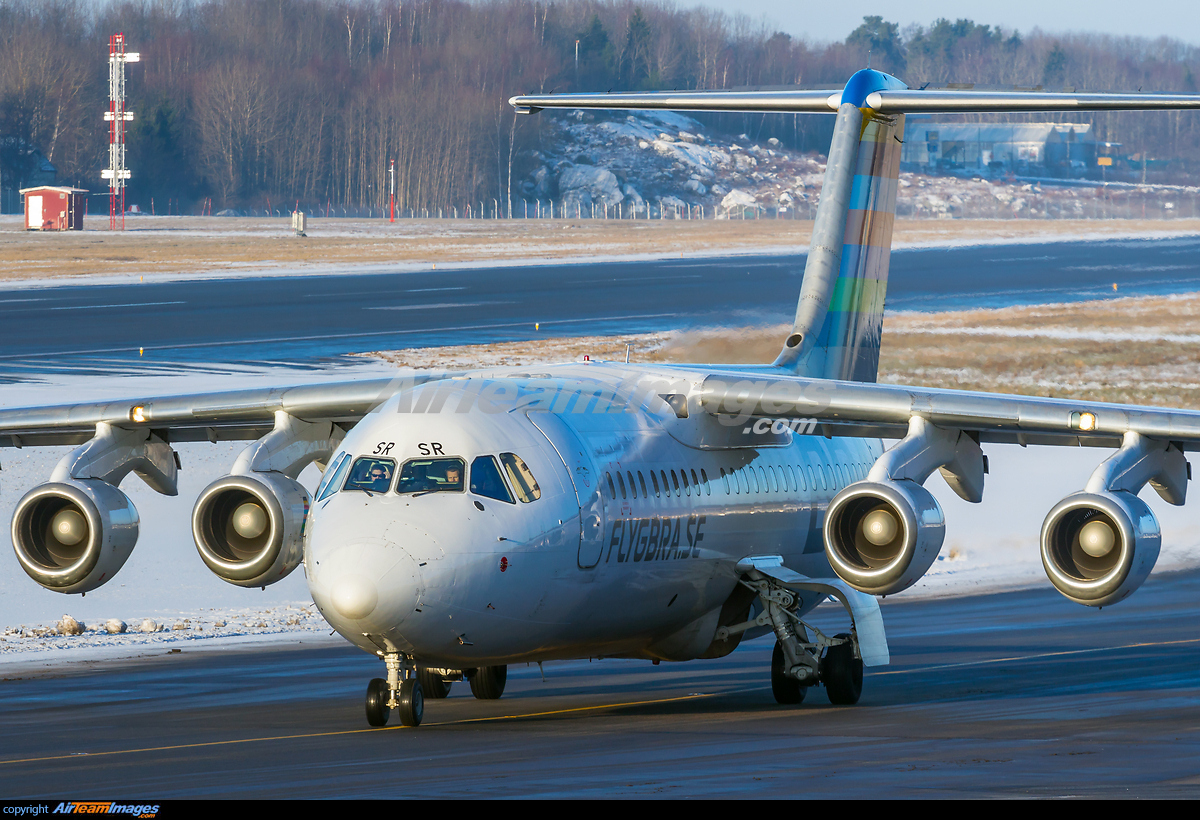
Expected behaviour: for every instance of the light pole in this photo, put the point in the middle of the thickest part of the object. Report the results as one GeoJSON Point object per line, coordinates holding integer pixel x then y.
{"type": "Point", "coordinates": [392, 193]}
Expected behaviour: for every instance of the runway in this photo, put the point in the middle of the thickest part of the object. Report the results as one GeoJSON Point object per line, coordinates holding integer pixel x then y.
{"type": "Point", "coordinates": [1001, 695]}
{"type": "Point", "coordinates": [312, 319]}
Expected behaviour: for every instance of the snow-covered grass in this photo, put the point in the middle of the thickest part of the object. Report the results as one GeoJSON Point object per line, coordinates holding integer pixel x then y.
{"type": "Point", "coordinates": [211, 247]}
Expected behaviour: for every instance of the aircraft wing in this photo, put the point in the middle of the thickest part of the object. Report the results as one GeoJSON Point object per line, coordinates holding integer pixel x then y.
{"type": "Point", "coordinates": [847, 408]}
{"type": "Point", "coordinates": [217, 416]}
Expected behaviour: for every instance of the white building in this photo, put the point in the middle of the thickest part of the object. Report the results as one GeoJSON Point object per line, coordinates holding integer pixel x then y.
{"type": "Point", "coordinates": [1054, 147]}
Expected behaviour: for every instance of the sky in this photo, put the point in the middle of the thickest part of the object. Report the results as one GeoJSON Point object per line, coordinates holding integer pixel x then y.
{"type": "Point", "coordinates": [822, 22]}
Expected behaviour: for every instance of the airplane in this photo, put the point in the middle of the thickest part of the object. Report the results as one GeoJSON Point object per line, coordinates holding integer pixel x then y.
{"type": "Point", "coordinates": [469, 520]}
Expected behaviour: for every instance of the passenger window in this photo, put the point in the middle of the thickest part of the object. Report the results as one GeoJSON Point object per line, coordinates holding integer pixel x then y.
{"type": "Point", "coordinates": [666, 486]}
{"type": "Point", "coordinates": [675, 481]}
{"type": "Point", "coordinates": [522, 477]}
{"type": "Point", "coordinates": [754, 478]}
{"type": "Point", "coordinates": [612, 489]}
{"type": "Point", "coordinates": [642, 484]}
{"type": "Point", "coordinates": [373, 475]}
{"type": "Point", "coordinates": [632, 486]}
{"type": "Point", "coordinates": [725, 480]}
{"type": "Point", "coordinates": [743, 482]}
{"type": "Point", "coordinates": [621, 484]}
{"type": "Point", "coordinates": [704, 479]}
{"type": "Point", "coordinates": [487, 481]}
{"type": "Point", "coordinates": [333, 477]}
{"type": "Point", "coordinates": [695, 483]}
{"type": "Point", "coordinates": [654, 481]}
{"type": "Point", "coordinates": [431, 475]}
{"type": "Point", "coordinates": [774, 479]}
{"type": "Point", "coordinates": [686, 488]}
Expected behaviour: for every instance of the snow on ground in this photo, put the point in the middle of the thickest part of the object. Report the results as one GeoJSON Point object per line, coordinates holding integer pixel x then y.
{"type": "Point", "coordinates": [991, 546]}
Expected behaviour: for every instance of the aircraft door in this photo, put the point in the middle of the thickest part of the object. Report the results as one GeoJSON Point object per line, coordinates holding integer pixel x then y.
{"type": "Point", "coordinates": [573, 452]}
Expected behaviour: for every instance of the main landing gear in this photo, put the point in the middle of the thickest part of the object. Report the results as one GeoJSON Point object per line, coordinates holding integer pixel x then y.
{"type": "Point", "coordinates": [797, 662]}
{"type": "Point", "coordinates": [407, 686]}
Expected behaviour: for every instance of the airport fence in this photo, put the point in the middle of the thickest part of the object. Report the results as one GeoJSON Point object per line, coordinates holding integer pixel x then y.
{"type": "Point", "coordinates": [1029, 202]}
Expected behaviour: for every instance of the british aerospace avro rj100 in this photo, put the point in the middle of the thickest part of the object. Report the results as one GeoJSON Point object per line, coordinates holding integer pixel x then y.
{"type": "Point", "coordinates": [469, 520]}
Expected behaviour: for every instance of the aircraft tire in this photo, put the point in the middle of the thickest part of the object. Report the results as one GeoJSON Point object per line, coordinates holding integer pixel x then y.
{"type": "Point", "coordinates": [435, 688]}
{"type": "Point", "coordinates": [842, 674]}
{"type": "Point", "coordinates": [412, 702]}
{"type": "Point", "coordinates": [377, 700]}
{"type": "Point", "coordinates": [786, 690]}
{"type": "Point", "coordinates": [488, 682]}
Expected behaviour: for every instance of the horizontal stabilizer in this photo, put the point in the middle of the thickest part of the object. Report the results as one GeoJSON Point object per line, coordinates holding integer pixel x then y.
{"type": "Point", "coordinates": [825, 102]}
{"type": "Point", "coordinates": [906, 101]}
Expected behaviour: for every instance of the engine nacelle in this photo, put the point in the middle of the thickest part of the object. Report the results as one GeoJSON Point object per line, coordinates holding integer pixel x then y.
{"type": "Point", "coordinates": [1098, 548]}
{"type": "Point", "coordinates": [249, 529]}
{"type": "Point", "coordinates": [72, 536]}
{"type": "Point", "coordinates": [881, 536]}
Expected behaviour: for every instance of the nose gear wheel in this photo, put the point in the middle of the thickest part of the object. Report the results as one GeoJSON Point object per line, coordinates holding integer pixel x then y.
{"type": "Point", "coordinates": [401, 691]}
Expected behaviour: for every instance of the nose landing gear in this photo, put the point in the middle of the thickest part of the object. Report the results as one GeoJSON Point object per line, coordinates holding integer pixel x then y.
{"type": "Point", "coordinates": [401, 691]}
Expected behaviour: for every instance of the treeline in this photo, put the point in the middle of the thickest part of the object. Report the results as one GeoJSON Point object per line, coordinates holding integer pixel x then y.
{"type": "Point", "coordinates": [250, 100]}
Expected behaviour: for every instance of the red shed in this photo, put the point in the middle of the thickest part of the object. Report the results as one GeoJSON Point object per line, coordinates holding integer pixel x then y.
{"type": "Point", "coordinates": [51, 208]}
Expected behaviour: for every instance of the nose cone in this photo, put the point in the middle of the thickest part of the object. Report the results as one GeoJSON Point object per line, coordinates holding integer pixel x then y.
{"type": "Point", "coordinates": [354, 596]}
{"type": "Point", "coordinates": [367, 586]}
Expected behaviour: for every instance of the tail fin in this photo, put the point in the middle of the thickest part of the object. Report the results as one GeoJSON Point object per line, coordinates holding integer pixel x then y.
{"type": "Point", "coordinates": [839, 319]}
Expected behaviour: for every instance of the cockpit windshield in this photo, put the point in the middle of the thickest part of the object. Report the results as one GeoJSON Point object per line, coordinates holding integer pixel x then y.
{"type": "Point", "coordinates": [487, 482]}
{"type": "Point", "coordinates": [432, 475]}
{"type": "Point", "coordinates": [373, 475]}
{"type": "Point", "coordinates": [521, 477]}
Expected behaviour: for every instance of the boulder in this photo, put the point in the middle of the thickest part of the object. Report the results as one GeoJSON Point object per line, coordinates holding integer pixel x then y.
{"type": "Point", "coordinates": [738, 198]}
{"type": "Point", "coordinates": [70, 626]}
{"type": "Point", "coordinates": [581, 186]}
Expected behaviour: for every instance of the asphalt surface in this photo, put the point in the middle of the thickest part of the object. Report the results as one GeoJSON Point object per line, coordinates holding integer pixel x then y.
{"type": "Point", "coordinates": [1002, 695]}
{"type": "Point", "coordinates": [312, 319]}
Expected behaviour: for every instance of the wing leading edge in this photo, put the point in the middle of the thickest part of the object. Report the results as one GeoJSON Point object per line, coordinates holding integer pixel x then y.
{"type": "Point", "coordinates": [216, 416]}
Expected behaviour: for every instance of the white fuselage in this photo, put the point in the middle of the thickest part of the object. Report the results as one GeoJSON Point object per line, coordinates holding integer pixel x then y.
{"type": "Point", "coordinates": [630, 549]}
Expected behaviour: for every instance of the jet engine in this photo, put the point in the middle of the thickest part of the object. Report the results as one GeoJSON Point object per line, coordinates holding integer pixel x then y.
{"type": "Point", "coordinates": [249, 528]}
{"type": "Point", "coordinates": [1098, 548]}
{"type": "Point", "coordinates": [72, 536]}
{"type": "Point", "coordinates": [881, 536]}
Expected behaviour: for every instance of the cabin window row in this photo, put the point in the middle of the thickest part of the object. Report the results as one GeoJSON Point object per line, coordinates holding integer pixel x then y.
{"type": "Point", "coordinates": [682, 483]}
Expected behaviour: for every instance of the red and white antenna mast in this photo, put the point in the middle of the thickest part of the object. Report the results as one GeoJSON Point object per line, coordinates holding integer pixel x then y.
{"type": "Point", "coordinates": [116, 173]}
